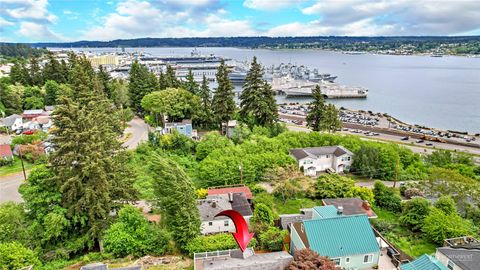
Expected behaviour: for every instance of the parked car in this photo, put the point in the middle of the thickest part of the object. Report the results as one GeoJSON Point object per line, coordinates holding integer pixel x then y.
{"type": "Point", "coordinates": [28, 132]}
{"type": "Point", "coordinates": [420, 141]}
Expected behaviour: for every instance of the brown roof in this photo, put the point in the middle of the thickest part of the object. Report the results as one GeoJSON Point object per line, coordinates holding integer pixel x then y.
{"type": "Point", "coordinates": [226, 190]}
{"type": "Point", "coordinates": [351, 206]}
{"type": "Point", "coordinates": [5, 150]}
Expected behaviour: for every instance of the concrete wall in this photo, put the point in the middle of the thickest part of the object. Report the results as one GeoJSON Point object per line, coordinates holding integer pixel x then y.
{"type": "Point", "coordinates": [444, 260]}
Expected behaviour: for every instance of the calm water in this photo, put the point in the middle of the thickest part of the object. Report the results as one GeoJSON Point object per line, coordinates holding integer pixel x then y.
{"type": "Point", "coordinates": [436, 92]}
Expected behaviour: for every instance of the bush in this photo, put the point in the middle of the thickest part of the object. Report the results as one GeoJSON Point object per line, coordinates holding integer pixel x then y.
{"type": "Point", "coordinates": [262, 218]}
{"type": "Point", "coordinates": [272, 239]}
{"type": "Point", "coordinates": [13, 223]}
{"type": "Point", "coordinates": [414, 213]}
{"type": "Point", "coordinates": [14, 256]}
{"type": "Point", "coordinates": [446, 204]}
{"type": "Point", "coordinates": [210, 142]}
{"type": "Point", "coordinates": [363, 193]}
{"type": "Point", "coordinates": [214, 242]}
{"type": "Point", "coordinates": [386, 197]}
{"type": "Point", "coordinates": [133, 235]}
{"type": "Point", "coordinates": [439, 226]}
{"type": "Point", "coordinates": [413, 192]}
{"type": "Point", "coordinates": [333, 186]}
{"type": "Point", "coordinates": [29, 139]}
{"type": "Point", "coordinates": [383, 226]}
{"type": "Point", "coordinates": [201, 193]}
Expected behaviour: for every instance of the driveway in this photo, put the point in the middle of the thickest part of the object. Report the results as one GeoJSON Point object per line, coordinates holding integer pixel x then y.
{"type": "Point", "coordinates": [369, 184]}
{"type": "Point", "coordinates": [138, 130]}
{"type": "Point", "coordinates": [9, 187]}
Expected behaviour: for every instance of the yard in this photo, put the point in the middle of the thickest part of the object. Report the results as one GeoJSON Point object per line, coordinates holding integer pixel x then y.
{"type": "Point", "coordinates": [15, 167]}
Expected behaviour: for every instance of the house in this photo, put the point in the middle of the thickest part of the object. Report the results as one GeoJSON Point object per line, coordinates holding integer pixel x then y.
{"type": "Point", "coordinates": [30, 114]}
{"type": "Point", "coordinates": [212, 205]}
{"type": "Point", "coordinates": [424, 262]}
{"type": "Point", "coordinates": [229, 128]}
{"type": "Point", "coordinates": [12, 122]}
{"type": "Point", "coordinates": [5, 153]}
{"type": "Point", "coordinates": [351, 206]}
{"type": "Point", "coordinates": [349, 241]}
{"type": "Point", "coordinates": [461, 253]}
{"type": "Point", "coordinates": [319, 159]}
{"type": "Point", "coordinates": [236, 260]}
{"type": "Point", "coordinates": [287, 219]}
{"type": "Point", "coordinates": [231, 189]}
{"type": "Point", "coordinates": [184, 127]}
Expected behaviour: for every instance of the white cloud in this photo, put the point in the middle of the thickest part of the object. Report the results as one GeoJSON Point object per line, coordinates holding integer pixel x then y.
{"type": "Point", "coordinates": [39, 32]}
{"type": "Point", "coordinates": [4, 22]}
{"type": "Point", "coordinates": [28, 10]}
{"type": "Point", "coordinates": [269, 5]}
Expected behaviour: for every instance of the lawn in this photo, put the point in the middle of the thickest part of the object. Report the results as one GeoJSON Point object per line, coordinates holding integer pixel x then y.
{"type": "Point", "coordinates": [293, 206]}
{"type": "Point", "coordinates": [15, 167]}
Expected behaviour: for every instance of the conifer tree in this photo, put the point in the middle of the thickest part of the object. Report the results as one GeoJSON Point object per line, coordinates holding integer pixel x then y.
{"type": "Point", "coordinates": [206, 113]}
{"type": "Point", "coordinates": [142, 82]}
{"type": "Point", "coordinates": [190, 84]}
{"type": "Point", "coordinates": [223, 104]}
{"type": "Point", "coordinates": [257, 101]}
{"type": "Point", "coordinates": [52, 90]}
{"type": "Point", "coordinates": [89, 163]}
{"type": "Point", "coordinates": [171, 80]}
{"type": "Point", "coordinates": [53, 70]}
{"type": "Point", "coordinates": [175, 195]}
{"type": "Point", "coordinates": [36, 76]}
{"type": "Point", "coordinates": [316, 109]}
{"type": "Point", "coordinates": [162, 83]}
{"type": "Point", "coordinates": [19, 73]}
{"type": "Point", "coordinates": [330, 121]}
{"type": "Point", "coordinates": [104, 79]}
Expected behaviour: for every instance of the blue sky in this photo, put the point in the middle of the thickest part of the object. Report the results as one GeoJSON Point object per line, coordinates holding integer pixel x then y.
{"type": "Point", "coordinates": [72, 20]}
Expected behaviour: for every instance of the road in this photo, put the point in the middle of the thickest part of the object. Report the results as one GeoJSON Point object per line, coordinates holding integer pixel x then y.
{"type": "Point", "coordinates": [138, 130]}
{"type": "Point", "coordinates": [9, 187]}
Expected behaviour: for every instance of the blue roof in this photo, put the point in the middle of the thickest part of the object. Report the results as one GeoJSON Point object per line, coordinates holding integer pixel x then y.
{"type": "Point", "coordinates": [424, 262]}
{"type": "Point", "coordinates": [341, 236]}
{"type": "Point", "coordinates": [326, 211]}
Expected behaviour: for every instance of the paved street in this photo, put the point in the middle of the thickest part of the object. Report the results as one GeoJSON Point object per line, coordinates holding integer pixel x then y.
{"type": "Point", "coordinates": [9, 187]}
{"type": "Point", "coordinates": [139, 133]}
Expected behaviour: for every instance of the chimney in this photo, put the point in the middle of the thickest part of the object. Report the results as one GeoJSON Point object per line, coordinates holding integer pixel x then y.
{"type": "Point", "coordinates": [366, 205]}
{"type": "Point", "coordinates": [230, 196]}
{"type": "Point", "coordinates": [340, 210]}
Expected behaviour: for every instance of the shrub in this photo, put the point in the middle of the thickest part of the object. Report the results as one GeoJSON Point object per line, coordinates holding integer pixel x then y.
{"type": "Point", "coordinates": [439, 226]}
{"type": "Point", "coordinates": [363, 193]}
{"type": "Point", "coordinates": [201, 193]}
{"type": "Point", "coordinates": [14, 255]}
{"type": "Point", "coordinates": [13, 223]}
{"type": "Point", "coordinates": [133, 235]}
{"type": "Point", "coordinates": [307, 259]}
{"type": "Point", "coordinates": [262, 218]}
{"type": "Point", "coordinates": [214, 242]}
{"type": "Point", "coordinates": [446, 204]}
{"type": "Point", "coordinates": [414, 213]}
{"type": "Point", "coordinates": [272, 239]}
{"type": "Point", "coordinates": [333, 186]}
{"type": "Point", "coordinates": [386, 197]}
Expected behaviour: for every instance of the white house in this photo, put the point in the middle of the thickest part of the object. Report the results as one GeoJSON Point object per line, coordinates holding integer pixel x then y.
{"type": "Point", "coordinates": [12, 122]}
{"type": "Point", "coordinates": [319, 159]}
{"type": "Point", "coordinates": [212, 205]}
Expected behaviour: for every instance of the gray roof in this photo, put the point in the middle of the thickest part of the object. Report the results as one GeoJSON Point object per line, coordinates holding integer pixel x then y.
{"type": "Point", "coordinates": [262, 261]}
{"type": "Point", "coordinates": [287, 219]}
{"type": "Point", "coordinates": [314, 152]}
{"type": "Point", "coordinates": [215, 204]}
{"type": "Point", "coordinates": [102, 266]}
{"type": "Point", "coordinates": [351, 206]}
{"type": "Point", "coordinates": [9, 120]}
{"type": "Point", "coordinates": [467, 259]}
{"type": "Point", "coordinates": [184, 122]}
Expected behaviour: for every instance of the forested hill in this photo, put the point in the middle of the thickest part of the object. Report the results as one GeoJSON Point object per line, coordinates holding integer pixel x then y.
{"type": "Point", "coordinates": [471, 44]}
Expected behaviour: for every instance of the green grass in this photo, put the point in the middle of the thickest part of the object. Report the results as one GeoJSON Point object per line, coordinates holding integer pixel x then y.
{"type": "Point", "coordinates": [293, 206]}
{"type": "Point", "coordinates": [15, 167]}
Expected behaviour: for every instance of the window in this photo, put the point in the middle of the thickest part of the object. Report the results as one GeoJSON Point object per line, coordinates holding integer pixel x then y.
{"type": "Point", "coordinates": [450, 265]}
{"type": "Point", "coordinates": [348, 158]}
{"type": "Point", "coordinates": [210, 223]}
{"type": "Point", "coordinates": [336, 261]}
{"type": "Point", "coordinates": [328, 156]}
{"type": "Point", "coordinates": [347, 260]}
{"type": "Point", "coordinates": [225, 223]}
{"type": "Point", "coordinates": [368, 258]}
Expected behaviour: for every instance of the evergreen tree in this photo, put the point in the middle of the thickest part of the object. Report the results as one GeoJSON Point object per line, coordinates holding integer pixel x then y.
{"type": "Point", "coordinates": [162, 83]}
{"type": "Point", "coordinates": [53, 70]}
{"type": "Point", "coordinates": [175, 195]}
{"type": "Point", "coordinates": [191, 85]}
{"type": "Point", "coordinates": [142, 82]}
{"type": "Point", "coordinates": [330, 121]}
{"type": "Point", "coordinates": [88, 163]}
{"type": "Point", "coordinates": [36, 76]}
{"type": "Point", "coordinates": [171, 80]}
{"type": "Point", "coordinates": [19, 73]}
{"type": "Point", "coordinates": [316, 109]}
{"type": "Point", "coordinates": [51, 88]}
{"type": "Point", "coordinates": [11, 98]}
{"type": "Point", "coordinates": [104, 78]}
{"type": "Point", "coordinates": [257, 101]}
{"type": "Point", "coordinates": [223, 103]}
{"type": "Point", "coordinates": [206, 114]}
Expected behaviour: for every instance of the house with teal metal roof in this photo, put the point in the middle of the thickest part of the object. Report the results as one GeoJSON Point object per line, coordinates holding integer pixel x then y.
{"type": "Point", "coordinates": [424, 262]}
{"type": "Point", "coordinates": [349, 241]}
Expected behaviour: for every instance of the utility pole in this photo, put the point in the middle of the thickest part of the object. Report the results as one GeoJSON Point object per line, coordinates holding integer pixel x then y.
{"type": "Point", "coordinates": [23, 167]}
{"type": "Point", "coordinates": [396, 173]}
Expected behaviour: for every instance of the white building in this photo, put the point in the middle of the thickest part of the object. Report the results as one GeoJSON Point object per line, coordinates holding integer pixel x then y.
{"type": "Point", "coordinates": [319, 159]}
{"type": "Point", "coordinates": [212, 205]}
{"type": "Point", "coordinates": [12, 122]}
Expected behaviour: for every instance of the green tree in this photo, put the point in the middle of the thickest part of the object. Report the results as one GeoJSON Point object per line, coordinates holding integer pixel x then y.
{"type": "Point", "coordinates": [11, 98]}
{"type": "Point", "coordinates": [35, 72]}
{"type": "Point", "coordinates": [104, 79]}
{"type": "Point", "coordinates": [206, 117]}
{"type": "Point", "coordinates": [223, 104]}
{"type": "Point", "coordinates": [439, 226]}
{"type": "Point", "coordinates": [19, 73]}
{"type": "Point", "coordinates": [257, 101]}
{"type": "Point", "coordinates": [439, 158]}
{"type": "Point", "coordinates": [446, 204]}
{"type": "Point", "coordinates": [316, 109]}
{"type": "Point", "coordinates": [141, 83]}
{"type": "Point", "coordinates": [54, 70]}
{"type": "Point", "coordinates": [262, 218]}
{"type": "Point", "coordinates": [333, 186]}
{"type": "Point", "coordinates": [16, 256]}
{"type": "Point", "coordinates": [33, 103]}
{"type": "Point", "coordinates": [414, 212]}
{"type": "Point", "coordinates": [363, 193]}
{"type": "Point", "coordinates": [190, 84]}
{"type": "Point", "coordinates": [89, 164]}
{"type": "Point", "coordinates": [119, 93]}
{"type": "Point", "coordinates": [162, 82]}
{"type": "Point", "coordinates": [52, 90]}
{"type": "Point", "coordinates": [330, 120]}
{"type": "Point", "coordinates": [133, 235]}
{"type": "Point", "coordinates": [171, 80]}
{"type": "Point", "coordinates": [386, 197]}
{"type": "Point", "coordinates": [13, 223]}
{"type": "Point", "coordinates": [272, 239]}
{"type": "Point", "coordinates": [175, 196]}
{"type": "Point", "coordinates": [288, 189]}
{"type": "Point", "coordinates": [211, 142]}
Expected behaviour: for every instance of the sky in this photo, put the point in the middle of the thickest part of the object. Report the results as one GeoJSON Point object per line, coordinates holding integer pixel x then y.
{"type": "Point", "coordinates": [73, 20]}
